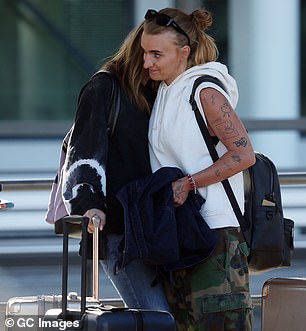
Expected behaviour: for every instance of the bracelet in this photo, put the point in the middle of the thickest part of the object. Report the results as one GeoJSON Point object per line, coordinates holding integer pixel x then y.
{"type": "Point", "coordinates": [192, 183]}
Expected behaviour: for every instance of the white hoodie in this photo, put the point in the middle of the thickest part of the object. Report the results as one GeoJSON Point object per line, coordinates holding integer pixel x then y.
{"type": "Point", "coordinates": [175, 139]}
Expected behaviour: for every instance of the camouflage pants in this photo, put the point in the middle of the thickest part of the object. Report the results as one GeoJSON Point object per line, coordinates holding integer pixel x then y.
{"type": "Point", "coordinates": [214, 295]}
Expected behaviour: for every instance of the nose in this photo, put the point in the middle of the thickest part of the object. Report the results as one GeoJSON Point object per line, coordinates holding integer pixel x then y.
{"type": "Point", "coordinates": [147, 61]}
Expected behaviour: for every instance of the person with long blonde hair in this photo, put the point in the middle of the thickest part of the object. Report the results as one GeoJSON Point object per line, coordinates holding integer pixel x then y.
{"type": "Point", "coordinates": [97, 166]}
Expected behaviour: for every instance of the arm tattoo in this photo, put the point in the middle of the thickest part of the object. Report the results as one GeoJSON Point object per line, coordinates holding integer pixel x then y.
{"type": "Point", "coordinates": [210, 100]}
{"type": "Point", "coordinates": [227, 129]}
{"type": "Point", "coordinates": [218, 172]}
{"type": "Point", "coordinates": [228, 166]}
{"type": "Point", "coordinates": [241, 142]}
{"type": "Point", "coordinates": [236, 158]}
{"type": "Point", "coordinates": [226, 109]}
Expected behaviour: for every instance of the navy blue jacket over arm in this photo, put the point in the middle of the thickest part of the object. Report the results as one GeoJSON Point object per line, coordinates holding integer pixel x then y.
{"type": "Point", "coordinates": [157, 231]}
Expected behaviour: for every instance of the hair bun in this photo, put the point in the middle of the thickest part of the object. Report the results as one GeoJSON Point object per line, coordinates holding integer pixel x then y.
{"type": "Point", "coordinates": [202, 18]}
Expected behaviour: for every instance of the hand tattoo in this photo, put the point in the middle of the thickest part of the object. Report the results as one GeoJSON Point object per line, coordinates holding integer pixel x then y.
{"type": "Point", "coordinates": [178, 189]}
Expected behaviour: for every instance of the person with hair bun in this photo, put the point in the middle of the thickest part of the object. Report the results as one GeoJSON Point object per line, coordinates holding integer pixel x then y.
{"type": "Point", "coordinates": [213, 295]}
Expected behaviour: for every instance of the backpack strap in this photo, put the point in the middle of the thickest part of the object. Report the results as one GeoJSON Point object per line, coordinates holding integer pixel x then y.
{"type": "Point", "coordinates": [200, 80]}
{"type": "Point", "coordinates": [212, 150]}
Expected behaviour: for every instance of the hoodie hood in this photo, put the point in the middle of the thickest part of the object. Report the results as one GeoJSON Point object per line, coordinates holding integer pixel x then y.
{"type": "Point", "coordinates": [214, 69]}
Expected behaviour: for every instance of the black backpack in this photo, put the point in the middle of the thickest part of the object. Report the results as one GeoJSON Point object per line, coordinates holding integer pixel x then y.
{"type": "Point", "coordinates": [268, 234]}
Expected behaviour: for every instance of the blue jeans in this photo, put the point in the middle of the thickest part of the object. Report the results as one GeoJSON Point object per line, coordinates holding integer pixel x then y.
{"type": "Point", "coordinates": [134, 281]}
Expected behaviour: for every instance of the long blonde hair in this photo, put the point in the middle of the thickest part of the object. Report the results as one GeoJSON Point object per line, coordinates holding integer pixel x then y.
{"type": "Point", "coordinates": [203, 46]}
{"type": "Point", "coordinates": [127, 65]}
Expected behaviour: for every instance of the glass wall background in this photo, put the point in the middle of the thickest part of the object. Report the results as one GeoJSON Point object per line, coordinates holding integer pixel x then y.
{"type": "Point", "coordinates": [50, 48]}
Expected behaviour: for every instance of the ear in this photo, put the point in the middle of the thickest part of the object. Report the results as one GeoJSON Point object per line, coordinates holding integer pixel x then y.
{"type": "Point", "coordinates": [185, 52]}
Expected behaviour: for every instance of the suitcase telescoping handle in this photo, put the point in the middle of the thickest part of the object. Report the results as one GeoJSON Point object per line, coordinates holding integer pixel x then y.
{"type": "Point", "coordinates": [95, 259]}
{"type": "Point", "coordinates": [83, 222]}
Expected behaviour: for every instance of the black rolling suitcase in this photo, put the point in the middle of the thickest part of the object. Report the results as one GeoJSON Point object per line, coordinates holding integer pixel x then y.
{"type": "Point", "coordinates": [100, 317]}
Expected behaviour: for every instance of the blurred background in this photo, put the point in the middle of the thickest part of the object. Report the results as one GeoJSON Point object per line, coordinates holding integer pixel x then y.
{"type": "Point", "coordinates": [49, 48]}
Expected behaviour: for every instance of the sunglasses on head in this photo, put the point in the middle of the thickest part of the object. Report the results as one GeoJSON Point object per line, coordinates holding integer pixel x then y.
{"type": "Point", "coordinates": [165, 20]}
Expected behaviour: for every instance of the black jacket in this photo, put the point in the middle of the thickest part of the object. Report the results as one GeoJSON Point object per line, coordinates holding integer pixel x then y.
{"type": "Point", "coordinates": [97, 168]}
{"type": "Point", "coordinates": [157, 231]}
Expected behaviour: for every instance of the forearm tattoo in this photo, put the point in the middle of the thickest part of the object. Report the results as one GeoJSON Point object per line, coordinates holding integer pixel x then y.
{"type": "Point", "coordinates": [218, 172]}
{"type": "Point", "coordinates": [236, 158]}
{"type": "Point", "coordinates": [227, 166]}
